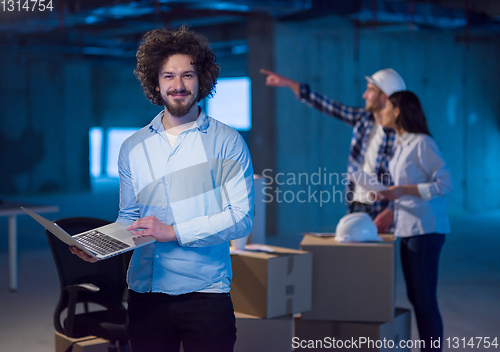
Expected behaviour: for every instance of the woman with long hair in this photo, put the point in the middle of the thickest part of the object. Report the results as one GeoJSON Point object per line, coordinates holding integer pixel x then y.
{"type": "Point", "coordinates": [421, 180]}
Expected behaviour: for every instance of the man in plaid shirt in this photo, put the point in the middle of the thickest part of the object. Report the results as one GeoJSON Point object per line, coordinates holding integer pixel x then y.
{"type": "Point", "coordinates": [371, 144]}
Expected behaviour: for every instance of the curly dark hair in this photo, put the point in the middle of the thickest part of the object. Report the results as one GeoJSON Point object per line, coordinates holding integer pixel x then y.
{"type": "Point", "coordinates": [159, 44]}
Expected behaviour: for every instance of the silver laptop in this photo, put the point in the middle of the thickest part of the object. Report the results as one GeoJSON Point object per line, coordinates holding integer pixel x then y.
{"type": "Point", "coordinates": [101, 243]}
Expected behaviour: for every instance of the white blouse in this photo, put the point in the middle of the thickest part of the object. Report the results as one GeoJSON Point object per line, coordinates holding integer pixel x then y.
{"type": "Point", "coordinates": [418, 161]}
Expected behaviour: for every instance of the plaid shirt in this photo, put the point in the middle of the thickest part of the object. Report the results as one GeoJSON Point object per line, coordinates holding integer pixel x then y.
{"type": "Point", "coordinates": [362, 122]}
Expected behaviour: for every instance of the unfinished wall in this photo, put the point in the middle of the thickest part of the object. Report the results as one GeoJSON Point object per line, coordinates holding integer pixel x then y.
{"type": "Point", "coordinates": [45, 105]}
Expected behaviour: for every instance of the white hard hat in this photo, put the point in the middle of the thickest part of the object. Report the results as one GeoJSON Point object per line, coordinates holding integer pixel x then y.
{"type": "Point", "coordinates": [388, 80]}
{"type": "Point", "coordinates": [357, 227]}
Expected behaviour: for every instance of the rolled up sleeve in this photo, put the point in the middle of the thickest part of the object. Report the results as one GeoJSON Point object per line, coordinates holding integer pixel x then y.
{"type": "Point", "coordinates": [440, 176]}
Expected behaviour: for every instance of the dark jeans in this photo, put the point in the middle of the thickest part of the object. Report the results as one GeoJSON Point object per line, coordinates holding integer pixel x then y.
{"type": "Point", "coordinates": [420, 262]}
{"type": "Point", "coordinates": [158, 322]}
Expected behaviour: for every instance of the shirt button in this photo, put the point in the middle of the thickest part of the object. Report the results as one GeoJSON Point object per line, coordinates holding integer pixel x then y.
{"type": "Point", "coordinates": [157, 256]}
{"type": "Point", "coordinates": [163, 207]}
{"type": "Point", "coordinates": [170, 158]}
{"type": "Point", "coordinates": [168, 183]}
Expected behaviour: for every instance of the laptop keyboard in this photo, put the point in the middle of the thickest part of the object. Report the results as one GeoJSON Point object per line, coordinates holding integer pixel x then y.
{"type": "Point", "coordinates": [100, 243]}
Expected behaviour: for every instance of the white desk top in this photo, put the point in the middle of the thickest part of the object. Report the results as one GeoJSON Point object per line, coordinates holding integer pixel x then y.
{"type": "Point", "coordinates": [8, 208]}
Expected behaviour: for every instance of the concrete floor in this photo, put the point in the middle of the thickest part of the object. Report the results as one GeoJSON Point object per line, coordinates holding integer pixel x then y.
{"type": "Point", "coordinates": [469, 288]}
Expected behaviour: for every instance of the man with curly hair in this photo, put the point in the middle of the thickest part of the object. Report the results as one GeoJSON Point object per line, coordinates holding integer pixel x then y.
{"type": "Point", "coordinates": [186, 180]}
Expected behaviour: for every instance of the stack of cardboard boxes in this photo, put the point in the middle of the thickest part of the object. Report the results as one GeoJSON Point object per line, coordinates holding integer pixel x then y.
{"type": "Point", "coordinates": [353, 297]}
{"type": "Point", "coordinates": [352, 288]}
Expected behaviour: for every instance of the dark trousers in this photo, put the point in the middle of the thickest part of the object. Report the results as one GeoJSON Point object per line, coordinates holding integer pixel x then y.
{"type": "Point", "coordinates": [420, 262]}
{"type": "Point", "coordinates": [158, 322]}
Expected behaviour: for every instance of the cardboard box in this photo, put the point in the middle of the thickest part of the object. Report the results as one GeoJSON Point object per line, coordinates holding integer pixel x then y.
{"type": "Point", "coordinates": [263, 335]}
{"type": "Point", "coordinates": [84, 344]}
{"type": "Point", "coordinates": [351, 281]}
{"type": "Point", "coordinates": [269, 285]}
{"type": "Point", "coordinates": [368, 336]}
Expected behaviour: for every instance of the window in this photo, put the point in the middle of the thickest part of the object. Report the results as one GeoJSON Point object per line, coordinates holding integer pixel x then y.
{"type": "Point", "coordinates": [231, 103]}
{"type": "Point", "coordinates": [112, 142]}
{"type": "Point", "coordinates": [115, 139]}
{"type": "Point", "coordinates": [95, 136]}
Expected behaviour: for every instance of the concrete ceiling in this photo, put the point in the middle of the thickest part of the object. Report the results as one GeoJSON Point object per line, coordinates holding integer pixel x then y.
{"type": "Point", "coordinates": [114, 27]}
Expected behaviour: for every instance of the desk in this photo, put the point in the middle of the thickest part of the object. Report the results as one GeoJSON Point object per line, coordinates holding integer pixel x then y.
{"type": "Point", "coordinates": [12, 209]}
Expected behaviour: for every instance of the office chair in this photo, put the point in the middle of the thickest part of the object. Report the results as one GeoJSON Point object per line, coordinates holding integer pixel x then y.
{"type": "Point", "coordinates": [102, 283]}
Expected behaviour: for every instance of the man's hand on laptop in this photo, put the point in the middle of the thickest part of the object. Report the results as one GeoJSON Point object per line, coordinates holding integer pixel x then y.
{"type": "Point", "coordinates": [151, 226]}
{"type": "Point", "coordinates": [77, 251]}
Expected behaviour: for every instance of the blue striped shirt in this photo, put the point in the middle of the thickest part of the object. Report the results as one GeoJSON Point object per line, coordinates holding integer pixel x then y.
{"type": "Point", "coordinates": [202, 186]}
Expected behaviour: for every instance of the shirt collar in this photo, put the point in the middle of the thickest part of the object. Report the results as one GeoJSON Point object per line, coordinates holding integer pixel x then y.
{"type": "Point", "coordinates": [202, 122]}
{"type": "Point", "coordinates": [405, 139]}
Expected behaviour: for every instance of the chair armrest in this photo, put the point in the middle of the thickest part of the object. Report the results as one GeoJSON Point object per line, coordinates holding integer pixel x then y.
{"type": "Point", "coordinates": [82, 287]}
{"type": "Point", "coordinates": [73, 294]}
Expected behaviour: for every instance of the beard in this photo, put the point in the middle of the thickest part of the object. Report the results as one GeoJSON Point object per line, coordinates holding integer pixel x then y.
{"type": "Point", "coordinates": [372, 107]}
{"type": "Point", "coordinates": [178, 108]}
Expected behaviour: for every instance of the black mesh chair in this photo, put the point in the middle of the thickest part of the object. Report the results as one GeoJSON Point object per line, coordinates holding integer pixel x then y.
{"type": "Point", "coordinates": [102, 284]}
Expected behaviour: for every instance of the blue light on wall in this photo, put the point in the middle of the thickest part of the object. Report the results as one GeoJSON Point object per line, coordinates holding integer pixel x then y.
{"type": "Point", "coordinates": [115, 138]}
{"type": "Point", "coordinates": [96, 139]}
{"type": "Point", "coordinates": [112, 142]}
{"type": "Point", "coordinates": [231, 103]}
